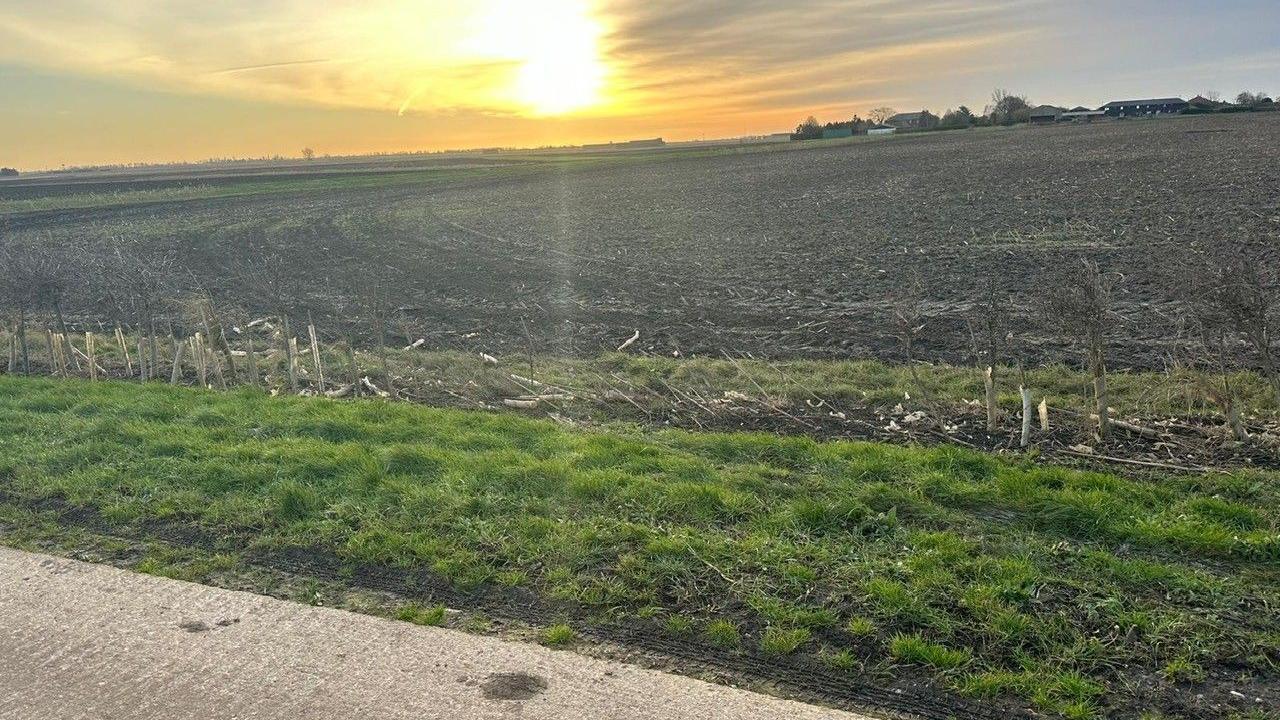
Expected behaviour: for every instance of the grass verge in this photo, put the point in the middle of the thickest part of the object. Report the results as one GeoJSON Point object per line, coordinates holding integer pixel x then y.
{"type": "Point", "coordinates": [1082, 594]}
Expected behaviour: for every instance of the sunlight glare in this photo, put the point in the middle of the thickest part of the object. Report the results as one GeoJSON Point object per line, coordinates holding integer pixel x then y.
{"type": "Point", "coordinates": [555, 48]}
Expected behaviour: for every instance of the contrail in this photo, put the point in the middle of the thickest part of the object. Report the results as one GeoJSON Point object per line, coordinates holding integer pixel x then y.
{"type": "Point", "coordinates": [267, 66]}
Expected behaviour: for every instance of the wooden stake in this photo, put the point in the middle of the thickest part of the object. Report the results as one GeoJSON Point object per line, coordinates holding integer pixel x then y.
{"type": "Point", "coordinates": [197, 356]}
{"type": "Point", "coordinates": [176, 375]}
{"type": "Point", "coordinates": [1044, 415]}
{"type": "Point", "coordinates": [352, 368]}
{"type": "Point", "coordinates": [993, 418]}
{"type": "Point", "coordinates": [212, 357]}
{"type": "Point", "coordinates": [90, 354]}
{"type": "Point", "coordinates": [1026, 415]}
{"type": "Point", "coordinates": [22, 341]}
{"type": "Point", "coordinates": [210, 338]}
{"type": "Point", "coordinates": [253, 364]}
{"type": "Point", "coordinates": [290, 352]}
{"type": "Point", "coordinates": [13, 354]}
{"type": "Point", "coordinates": [60, 342]}
{"type": "Point", "coordinates": [53, 362]}
{"type": "Point", "coordinates": [382, 354]}
{"type": "Point", "coordinates": [315, 352]}
{"type": "Point", "coordinates": [293, 364]}
{"type": "Point", "coordinates": [143, 370]}
{"type": "Point", "coordinates": [124, 348]}
{"type": "Point", "coordinates": [62, 329]}
{"type": "Point", "coordinates": [221, 342]}
{"type": "Point", "coordinates": [155, 351]}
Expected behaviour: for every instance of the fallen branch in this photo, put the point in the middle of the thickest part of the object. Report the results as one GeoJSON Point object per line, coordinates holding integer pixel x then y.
{"type": "Point", "coordinates": [629, 342]}
{"type": "Point", "coordinates": [339, 392]}
{"type": "Point", "coordinates": [368, 385]}
{"type": "Point", "coordinates": [1127, 426]}
{"type": "Point", "coordinates": [1144, 463]}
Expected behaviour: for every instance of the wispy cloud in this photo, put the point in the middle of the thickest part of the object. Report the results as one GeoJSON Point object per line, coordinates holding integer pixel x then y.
{"type": "Point", "coordinates": [400, 55]}
{"type": "Point", "coordinates": [369, 73]}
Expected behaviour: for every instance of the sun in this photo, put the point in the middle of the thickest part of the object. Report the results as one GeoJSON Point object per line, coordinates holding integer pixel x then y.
{"type": "Point", "coordinates": [559, 80]}
{"type": "Point", "coordinates": [553, 48]}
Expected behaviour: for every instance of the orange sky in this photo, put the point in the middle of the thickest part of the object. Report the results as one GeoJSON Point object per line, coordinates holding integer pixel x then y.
{"type": "Point", "coordinates": [155, 80]}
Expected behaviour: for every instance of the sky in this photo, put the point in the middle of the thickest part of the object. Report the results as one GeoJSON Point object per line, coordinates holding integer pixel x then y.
{"type": "Point", "coordinates": [126, 81]}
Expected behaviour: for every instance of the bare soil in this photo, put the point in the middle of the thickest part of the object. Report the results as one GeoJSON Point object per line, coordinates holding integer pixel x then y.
{"type": "Point", "coordinates": [804, 252]}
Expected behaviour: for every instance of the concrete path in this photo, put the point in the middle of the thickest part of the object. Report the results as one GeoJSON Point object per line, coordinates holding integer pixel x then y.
{"type": "Point", "coordinates": [89, 641]}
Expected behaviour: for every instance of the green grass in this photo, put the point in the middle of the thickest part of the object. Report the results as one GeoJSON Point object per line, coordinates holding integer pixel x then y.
{"type": "Point", "coordinates": [558, 635]}
{"type": "Point", "coordinates": [1007, 579]}
{"type": "Point", "coordinates": [196, 189]}
{"type": "Point", "coordinates": [419, 615]}
{"type": "Point", "coordinates": [723, 633]}
{"type": "Point", "coordinates": [783, 641]}
{"type": "Point", "coordinates": [916, 649]}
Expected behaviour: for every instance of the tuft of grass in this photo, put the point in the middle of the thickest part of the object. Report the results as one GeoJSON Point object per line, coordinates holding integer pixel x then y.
{"type": "Point", "coordinates": [843, 660]}
{"type": "Point", "coordinates": [1182, 669]}
{"type": "Point", "coordinates": [723, 633]}
{"type": "Point", "coordinates": [558, 635]}
{"type": "Point", "coordinates": [419, 615]}
{"type": "Point", "coordinates": [915, 649]}
{"type": "Point", "coordinates": [860, 627]}
{"type": "Point", "coordinates": [783, 641]}
{"type": "Point", "coordinates": [678, 626]}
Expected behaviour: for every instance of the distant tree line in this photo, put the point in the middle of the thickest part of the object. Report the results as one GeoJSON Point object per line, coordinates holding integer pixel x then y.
{"type": "Point", "coordinates": [1246, 101]}
{"type": "Point", "coordinates": [1008, 108]}
{"type": "Point", "coordinates": [811, 129]}
{"type": "Point", "coordinates": [8, 172]}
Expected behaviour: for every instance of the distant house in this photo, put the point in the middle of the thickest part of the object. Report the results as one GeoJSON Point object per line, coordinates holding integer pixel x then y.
{"type": "Point", "coordinates": [1201, 101]}
{"type": "Point", "coordinates": [836, 132]}
{"type": "Point", "coordinates": [1045, 114]}
{"type": "Point", "coordinates": [913, 121]}
{"type": "Point", "coordinates": [1081, 114]}
{"type": "Point", "coordinates": [882, 130]}
{"type": "Point", "coordinates": [1141, 108]}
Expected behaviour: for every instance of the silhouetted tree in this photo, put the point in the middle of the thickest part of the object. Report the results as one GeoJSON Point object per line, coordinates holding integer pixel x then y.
{"type": "Point", "coordinates": [959, 118]}
{"type": "Point", "coordinates": [881, 114]}
{"type": "Point", "coordinates": [810, 129]}
{"type": "Point", "coordinates": [1007, 108]}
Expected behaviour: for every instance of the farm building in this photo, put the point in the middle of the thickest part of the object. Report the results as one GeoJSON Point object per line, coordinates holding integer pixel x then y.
{"type": "Point", "coordinates": [882, 130]}
{"type": "Point", "coordinates": [1045, 114]}
{"type": "Point", "coordinates": [1140, 108]}
{"type": "Point", "coordinates": [836, 132]}
{"type": "Point", "coordinates": [913, 121]}
{"type": "Point", "coordinates": [1081, 114]}
{"type": "Point", "coordinates": [628, 145]}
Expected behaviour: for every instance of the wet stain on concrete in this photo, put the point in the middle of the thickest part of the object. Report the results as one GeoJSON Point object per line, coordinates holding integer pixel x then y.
{"type": "Point", "coordinates": [194, 626]}
{"type": "Point", "coordinates": [513, 686]}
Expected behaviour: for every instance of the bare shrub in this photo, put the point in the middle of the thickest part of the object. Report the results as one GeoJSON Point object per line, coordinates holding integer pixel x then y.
{"type": "Point", "coordinates": [1079, 303]}
{"type": "Point", "coordinates": [1229, 295]}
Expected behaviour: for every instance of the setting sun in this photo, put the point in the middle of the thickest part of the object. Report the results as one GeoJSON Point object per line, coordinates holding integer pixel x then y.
{"type": "Point", "coordinates": [555, 50]}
